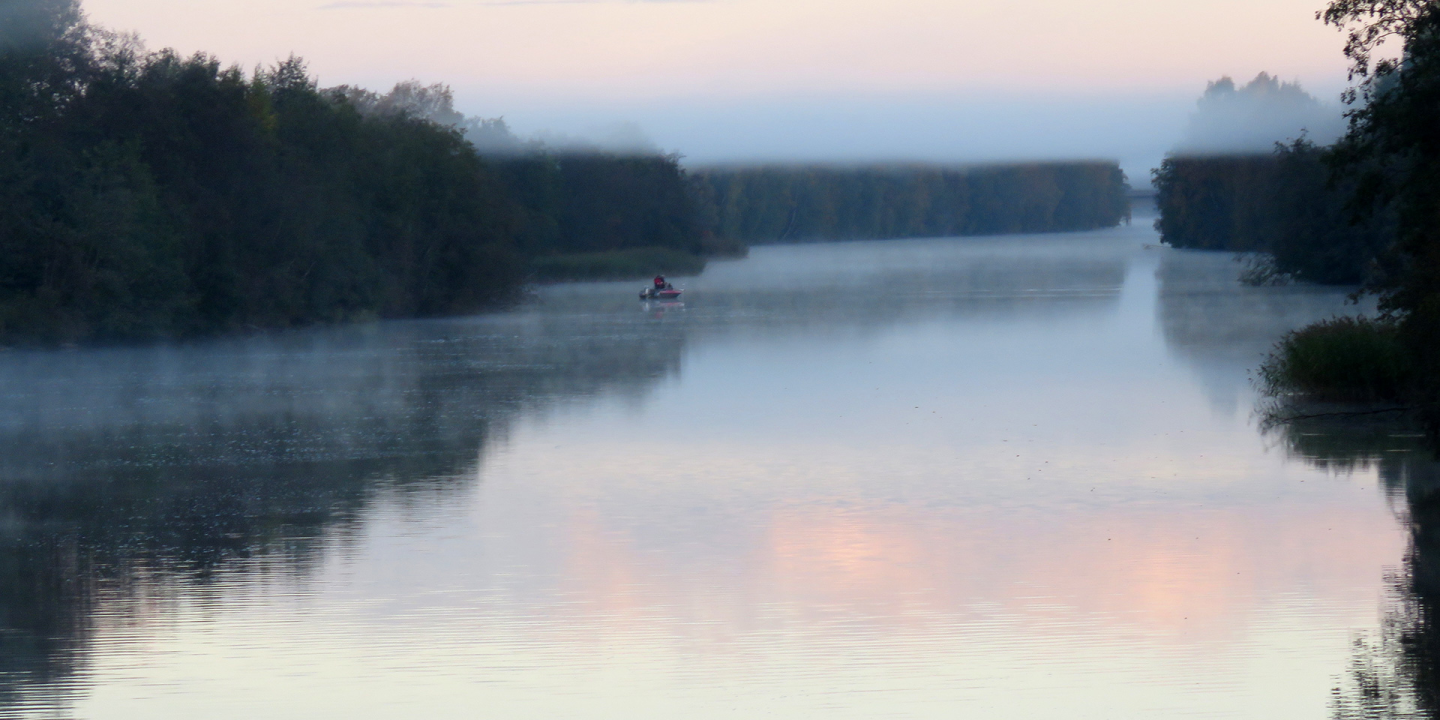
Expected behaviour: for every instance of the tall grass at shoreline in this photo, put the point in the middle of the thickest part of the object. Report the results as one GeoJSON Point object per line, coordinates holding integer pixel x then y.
{"type": "Point", "coordinates": [1343, 359]}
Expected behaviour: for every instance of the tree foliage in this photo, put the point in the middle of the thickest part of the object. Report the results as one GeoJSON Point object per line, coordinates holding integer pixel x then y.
{"type": "Point", "coordinates": [775, 204]}
{"type": "Point", "coordinates": [1393, 148]}
{"type": "Point", "coordinates": [154, 195]}
{"type": "Point", "coordinates": [1285, 204]}
{"type": "Point", "coordinates": [149, 194]}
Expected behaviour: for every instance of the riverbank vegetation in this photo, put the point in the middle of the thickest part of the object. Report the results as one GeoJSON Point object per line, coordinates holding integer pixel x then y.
{"type": "Point", "coordinates": [1394, 152]}
{"type": "Point", "coordinates": [1378, 205]}
{"type": "Point", "coordinates": [1230, 186]}
{"type": "Point", "coordinates": [797, 204]}
{"type": "Point", "coordinates": [1384, 176]}
{"type": "Point", "coordinates": [152, 195]}
{"type": "Point", "coordinates": [1344, 359]}
{"type": "Point", "coordinates": [1285, 205]}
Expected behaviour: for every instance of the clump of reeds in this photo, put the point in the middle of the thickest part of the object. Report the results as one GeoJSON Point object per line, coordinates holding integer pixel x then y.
{"type": "Point", "coordinates": [1344, 359]}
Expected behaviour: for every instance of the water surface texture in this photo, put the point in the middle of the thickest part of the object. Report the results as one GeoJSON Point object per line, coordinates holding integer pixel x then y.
{"type": "Point", "coordinates": [987, 477]}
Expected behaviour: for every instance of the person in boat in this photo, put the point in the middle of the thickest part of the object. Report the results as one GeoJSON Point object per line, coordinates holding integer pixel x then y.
{"type": "Point", "coordinates": [660, 283]}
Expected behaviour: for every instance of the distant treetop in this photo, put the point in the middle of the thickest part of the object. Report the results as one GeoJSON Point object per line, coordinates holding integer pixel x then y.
{"type": "Point", "coordinates": [1251, 118]}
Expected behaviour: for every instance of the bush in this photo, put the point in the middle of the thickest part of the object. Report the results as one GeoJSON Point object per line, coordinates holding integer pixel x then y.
{"type": "Point", "coordinates": [1344, 359]}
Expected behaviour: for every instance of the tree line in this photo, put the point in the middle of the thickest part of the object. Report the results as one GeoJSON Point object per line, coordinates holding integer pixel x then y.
{"type": "Point", "coordinates": [152, 195]}
{"type": "Point", "coordinates": [145, 194]}
{"type": "Point", "coordinates": [1288, 205]}
{"type": "Point", "coordinates": [780, 204]}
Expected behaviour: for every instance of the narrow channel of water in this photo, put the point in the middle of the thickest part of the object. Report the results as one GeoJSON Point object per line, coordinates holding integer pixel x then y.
{"type": "Point", "coordinates": [985, 477]}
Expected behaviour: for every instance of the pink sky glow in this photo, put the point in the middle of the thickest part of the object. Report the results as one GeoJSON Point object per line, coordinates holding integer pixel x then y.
{"type": "Point", "coordinates": [1133, 67]}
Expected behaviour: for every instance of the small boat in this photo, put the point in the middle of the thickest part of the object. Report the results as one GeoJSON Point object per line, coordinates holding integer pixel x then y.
{"type": "Point", "coordinates": [664, 293]}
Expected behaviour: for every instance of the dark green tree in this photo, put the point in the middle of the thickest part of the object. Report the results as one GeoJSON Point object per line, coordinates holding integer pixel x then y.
{"type": "Point", "coordinates": [1393, 146]}
{"type": "Point", "coordinates": [1287, 204]}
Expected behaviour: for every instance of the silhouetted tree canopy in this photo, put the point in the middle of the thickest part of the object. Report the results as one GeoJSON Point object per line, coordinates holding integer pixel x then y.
{"type": "Point", "coordinates": [149, 194]}
{"type": "Point", "coordinates": [1393, 149]}
{"type": "Point", "coordinates": [1284, 204]}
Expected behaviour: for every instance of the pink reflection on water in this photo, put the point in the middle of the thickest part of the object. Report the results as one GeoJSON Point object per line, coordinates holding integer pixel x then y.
{"type": "Point", "coordinates": [1178, 577]}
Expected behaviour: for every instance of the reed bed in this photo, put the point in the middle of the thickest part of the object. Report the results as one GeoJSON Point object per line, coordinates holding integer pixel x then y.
{"type": "Point", "coordinates": [1344, 359]}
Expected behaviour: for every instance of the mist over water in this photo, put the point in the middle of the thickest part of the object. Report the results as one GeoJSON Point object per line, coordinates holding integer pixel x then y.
{"type": "Point", "coordinates": [1253, 117]}
{"type": "Point", "coordinates": [1137, 129]}
{"type": "Point", "coordinates": [864, 128]}
{"type": "Point", "coordinates": [1016, 475]}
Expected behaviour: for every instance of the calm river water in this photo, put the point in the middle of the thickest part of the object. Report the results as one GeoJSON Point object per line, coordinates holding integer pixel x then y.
{"type": "Point", "coordinates": [1012, 477]}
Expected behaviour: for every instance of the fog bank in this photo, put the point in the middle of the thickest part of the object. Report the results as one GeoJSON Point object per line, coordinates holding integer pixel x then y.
{"type": "Point", "coordinates": [1253, 117]}
{"type": "Point", "coordinates": [1135, 129]}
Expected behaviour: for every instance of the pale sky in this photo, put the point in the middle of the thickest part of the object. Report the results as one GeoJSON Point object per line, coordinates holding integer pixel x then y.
{"type": "Point", "coordinates": [739, 80]}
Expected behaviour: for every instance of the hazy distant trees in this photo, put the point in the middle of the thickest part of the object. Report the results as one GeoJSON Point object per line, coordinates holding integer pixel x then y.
{"type": "Point", "coordinates": [778, 204]}
{"type": "Point", "coordinates": [1251, 118]}
{"type": "Point", "coordinates": [436, 103]}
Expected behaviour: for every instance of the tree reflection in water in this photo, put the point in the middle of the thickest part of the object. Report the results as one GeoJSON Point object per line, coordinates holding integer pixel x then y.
{"type": "Point", "coordinates": [131, 478]}
{"type": "Point", "coordinates": [1395, 672]}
